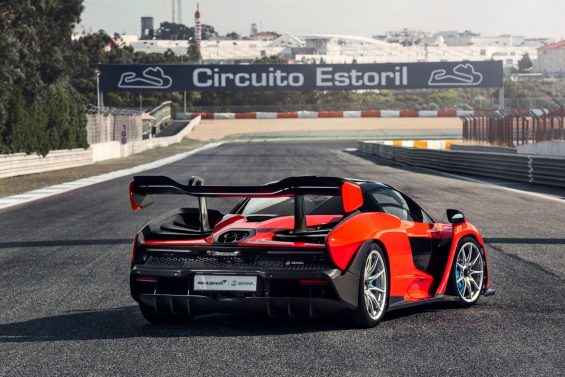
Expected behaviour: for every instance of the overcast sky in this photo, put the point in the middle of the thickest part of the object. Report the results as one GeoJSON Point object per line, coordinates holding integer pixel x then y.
{"type": "Point", "coordinates": [532, 18]}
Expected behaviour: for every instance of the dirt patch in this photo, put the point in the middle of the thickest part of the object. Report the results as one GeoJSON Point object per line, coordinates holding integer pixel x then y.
{"type": "Point", "coordinates": [219, 129]}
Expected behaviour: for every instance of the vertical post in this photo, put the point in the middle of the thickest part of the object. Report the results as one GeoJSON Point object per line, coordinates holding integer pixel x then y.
{"type": "Point", "coordinates": [501, 98]}
{"type": "Point", "coordinates": [299, 214]}
{"type": "Point", "coordinates": [97, 71]}
{"type": "Point", "coordinates": [184, 97]}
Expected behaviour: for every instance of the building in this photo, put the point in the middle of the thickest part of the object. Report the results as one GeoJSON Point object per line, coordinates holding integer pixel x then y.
{"type": "Point", "coordinates": [454, 38]}
{"type": "Point", "coordinates": [551, 60]}
{"type": "Point", "coordinates": [147, 29]}
{"type": "Point", "coordinates": [341, 49]}
{"type": "Point", "coordinates": [265, 36]}
{"type": "Point", "coordinates": [346, 49]}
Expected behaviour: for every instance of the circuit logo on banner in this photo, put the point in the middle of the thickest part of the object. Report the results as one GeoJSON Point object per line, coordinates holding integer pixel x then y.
{"type": "Point", "coordinates": [301, 76]}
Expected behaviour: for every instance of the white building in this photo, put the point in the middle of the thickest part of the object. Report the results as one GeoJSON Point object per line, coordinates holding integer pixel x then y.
{"type": "Point", "coordinates": [338, 49]}
{"type": "Point", "coordinates": [345, 49]}
{"type": "Point", "coordinates": [454, 38]}
{"type": "Point", "coordinates": [551, 59]}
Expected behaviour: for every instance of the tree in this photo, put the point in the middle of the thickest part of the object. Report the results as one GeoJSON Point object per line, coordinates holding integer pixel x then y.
{"type": "Point", "coordinates": [34, 40]}
{"type": "Point", "coordinates": [193, 53]}
{"type": "Point", "coordinates": [209, 32]}
{"type": "Point", "coordinates": [233, 36]}
{"type": "Point", "coordinates": [525, 64]}
{"type": "Point", "coordinates": [273, 59]}
{"type": "Point", "coordinates": [174, 31]}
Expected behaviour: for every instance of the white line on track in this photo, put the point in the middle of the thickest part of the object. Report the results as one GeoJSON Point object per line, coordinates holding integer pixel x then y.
{"type": "Point", "coordinates": [46, 192]}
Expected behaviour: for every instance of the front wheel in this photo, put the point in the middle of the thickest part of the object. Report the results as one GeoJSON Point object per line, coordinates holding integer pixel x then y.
{"type": "Point", "coordinates": [467, 273]}
{"type": "Point", "coordinates": [373, 289]}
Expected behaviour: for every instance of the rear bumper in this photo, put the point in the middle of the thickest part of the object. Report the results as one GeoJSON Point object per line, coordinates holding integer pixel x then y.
{"type": "Point", "coordinates": [279, 293]}
{"type": "Point", "coordinates": [291, 307]}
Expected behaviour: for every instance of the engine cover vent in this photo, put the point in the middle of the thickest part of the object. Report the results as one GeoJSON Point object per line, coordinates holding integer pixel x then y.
{"type": "Point", "coordinates": [234, 236]}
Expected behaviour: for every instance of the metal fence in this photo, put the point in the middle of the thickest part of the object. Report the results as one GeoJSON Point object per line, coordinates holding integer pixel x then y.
{"type": "Point", "coordinates": [105, 124]}
{"type": "Point", "coordinates": [513, 167]}
{"type": "Point", "coordinates": [511, 128]}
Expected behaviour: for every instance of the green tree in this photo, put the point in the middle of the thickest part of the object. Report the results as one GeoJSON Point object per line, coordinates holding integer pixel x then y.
{"type": "Point", "coordinates": [233, 36]}
{"type": "Point", "coordinates": [525, 63]}
{"type": "Point", "coordinates": [174, 31]}
{"type": "Point", "coordinates": [35, 48]}
{"type": "Point", "coordinates": [193, 52]}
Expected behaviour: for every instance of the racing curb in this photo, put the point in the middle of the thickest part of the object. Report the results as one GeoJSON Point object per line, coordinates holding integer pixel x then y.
{"type": "Point", "coordinates": [45, 192]}
{"type": "Point", "coordinates": [340, 114]}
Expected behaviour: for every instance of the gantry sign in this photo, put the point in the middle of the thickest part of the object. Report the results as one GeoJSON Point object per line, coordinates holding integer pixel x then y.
{"type": "Point", "coordinates": [247, 77]}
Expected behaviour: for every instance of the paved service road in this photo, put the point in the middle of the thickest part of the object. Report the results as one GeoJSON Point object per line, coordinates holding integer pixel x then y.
{"type": "Point", "coordinates": [65, 306]}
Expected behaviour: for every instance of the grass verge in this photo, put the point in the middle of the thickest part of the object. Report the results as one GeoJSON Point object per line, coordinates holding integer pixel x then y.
{"type": "Point", "coordinates": [23, 183]}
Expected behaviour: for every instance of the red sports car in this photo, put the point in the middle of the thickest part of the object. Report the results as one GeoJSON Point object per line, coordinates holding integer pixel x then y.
{"type": "Point", "coordinates": [302, 246]}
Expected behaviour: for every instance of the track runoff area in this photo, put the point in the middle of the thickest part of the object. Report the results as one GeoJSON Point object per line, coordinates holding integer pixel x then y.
{"type": "Point", "coordinates": [66, 308]}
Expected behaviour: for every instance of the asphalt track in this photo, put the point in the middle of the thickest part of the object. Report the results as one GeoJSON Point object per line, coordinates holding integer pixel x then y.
{"type": "Point", "coordinates": [65, 306]}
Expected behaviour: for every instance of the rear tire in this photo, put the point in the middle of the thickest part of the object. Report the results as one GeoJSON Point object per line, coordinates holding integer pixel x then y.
{"type": "Point", "coordinates": [373, 289]}
{"type": "Point", "coordinates": [466, 279]}
{"type": "Point", "coordinates": [153, 317]}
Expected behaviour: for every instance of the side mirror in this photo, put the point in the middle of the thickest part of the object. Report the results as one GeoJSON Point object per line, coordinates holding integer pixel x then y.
{"type": "Point", "coordinates": [455, 216]}
{"type": "Point", "coordinates": [138, 201]}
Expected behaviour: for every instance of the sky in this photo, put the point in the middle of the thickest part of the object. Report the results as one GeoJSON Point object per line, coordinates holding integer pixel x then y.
{"type": "Point", "coordinates": [532, 18]}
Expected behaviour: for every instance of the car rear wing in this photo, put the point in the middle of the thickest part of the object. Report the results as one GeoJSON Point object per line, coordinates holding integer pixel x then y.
{"type": "Point", "coordinates": [142, 189]}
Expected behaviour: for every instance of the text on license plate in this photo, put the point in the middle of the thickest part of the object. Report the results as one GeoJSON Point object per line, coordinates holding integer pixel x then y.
{"type": "Point", "coordinates": [225, 283]}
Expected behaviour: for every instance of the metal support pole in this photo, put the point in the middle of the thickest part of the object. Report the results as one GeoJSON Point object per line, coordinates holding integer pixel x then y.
{"type": "Point", "coordinates": [98, 90]}
{"type": "Point", "coordinates": [184, 95]}
{"type": "Point", "coordinates": [501, 98]}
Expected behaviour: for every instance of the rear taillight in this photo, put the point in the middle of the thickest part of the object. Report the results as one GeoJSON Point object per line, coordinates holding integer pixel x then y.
{"type": "Point", "coordinates": [133, 250]}
{"type": "Point", "coordinates": [147, 279]}
{"type": "Point", "coordinates": [313, 282]}
{"type": "Point", "coordinates": [137, 248]}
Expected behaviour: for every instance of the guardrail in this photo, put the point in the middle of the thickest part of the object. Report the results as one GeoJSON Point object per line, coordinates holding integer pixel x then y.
{"type": "Point", "coordinates": [519, 168]}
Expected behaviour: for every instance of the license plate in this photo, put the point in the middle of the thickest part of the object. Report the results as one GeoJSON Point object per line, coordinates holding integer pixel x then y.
{"type": "Point", "coordinates": [225, 283]}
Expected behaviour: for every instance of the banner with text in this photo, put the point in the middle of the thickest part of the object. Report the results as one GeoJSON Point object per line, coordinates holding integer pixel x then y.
{"type": "Point", "coordinates": [241, 77]}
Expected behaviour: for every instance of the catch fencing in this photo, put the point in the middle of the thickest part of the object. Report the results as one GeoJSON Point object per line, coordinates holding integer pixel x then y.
{"type": "Point", "coordinates": [512, 128]}
{"type": "Point", "coordinates": [513, 167]}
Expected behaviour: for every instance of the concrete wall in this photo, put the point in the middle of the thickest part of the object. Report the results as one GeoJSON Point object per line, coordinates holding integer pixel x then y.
{"type": "Point", "coordinates": [544, 148]}
{"type": "Point", "coordinates": [22, 164]}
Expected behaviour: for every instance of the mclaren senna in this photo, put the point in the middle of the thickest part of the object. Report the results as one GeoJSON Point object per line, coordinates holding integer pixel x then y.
{"type": "Point", "coordinates": [302, 246]}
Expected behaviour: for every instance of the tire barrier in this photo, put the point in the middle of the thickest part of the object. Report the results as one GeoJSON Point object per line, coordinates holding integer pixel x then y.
{"type": "Point", "coordinates": [513, 167]}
